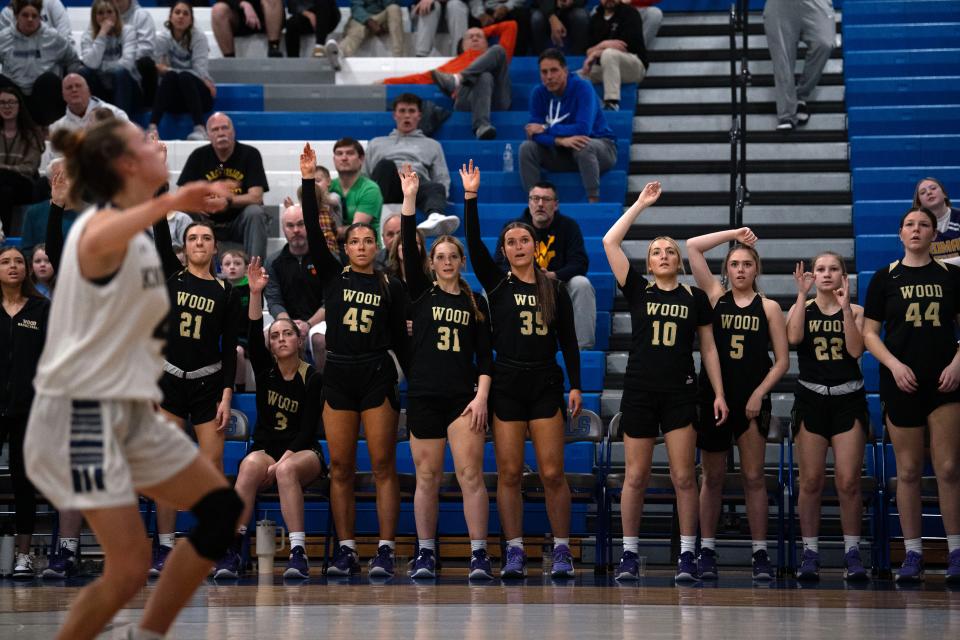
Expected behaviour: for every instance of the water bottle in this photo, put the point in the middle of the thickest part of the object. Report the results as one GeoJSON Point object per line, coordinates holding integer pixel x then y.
{"type": "Point", "coordinates": [508, 159]}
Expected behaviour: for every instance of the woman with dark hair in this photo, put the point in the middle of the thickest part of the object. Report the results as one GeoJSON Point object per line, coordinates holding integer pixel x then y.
{"type": "Point", "coordinates": [365, 320]}
{"type": "Point", "coordinates": [316, 17]}
{"type": "Point", "coordinates": [186, 86]}
{"type": "Point", "coordinates": [531, 317]}
{"type": "Point", "coordinates": [23, 331]}
{"type": "Point", "coordinates": [109, 55]}
{"type": "Point", "coordinates": [829, 407]}
{"type": "Point", "coordinates": [94, 439]}
{"type": "Point", "coordinates": [660, 385]}
{"type": "Point", "coordinates": [931, 194]}
{"type": "Point", "coordinates": [915, 300]}
{"type": "Point", "coordinates": [34, 58]}
{"type": "Point", "coordinates": [745, 326]}
{"type": "Point", "coordinates": [22, 148]}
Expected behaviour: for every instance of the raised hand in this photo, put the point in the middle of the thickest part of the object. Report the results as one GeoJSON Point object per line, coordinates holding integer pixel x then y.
{"type": "Point", "coordinates": [803, 279]}
{"type": "Point", "coordinates": [746, 236]}
{"type": "Point", "coordinates": [308, 162]}
{"type": "Point", "coordinates": [59, 185]}
{"type": "Point", "coordinates": [256, 275]}
{"type": "Point", "coordinates": [843, 293]}
{"type": "Point", "coordinates": [470, 177]}
{"type": "Point", "coordinates": [409, 181]}
{"type": "Point", "coordinates": [650, 194]}
{"type": "Point", "coordinates": [196, 196]}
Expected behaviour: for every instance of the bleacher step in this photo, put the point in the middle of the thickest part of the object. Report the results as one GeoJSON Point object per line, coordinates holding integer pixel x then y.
{"type": "Point", "coordinates": [688, 123]}
{"type": "Point", "coordinates": [788, 181]}
{"type": "Point", "coordinates": [698, 95]}
{"type": "Point", "coordinates": [271, 70]}
{"type": "Point", "coordinates": [324, 97]}
{"type": "Point", "coordinates": [755, 152]}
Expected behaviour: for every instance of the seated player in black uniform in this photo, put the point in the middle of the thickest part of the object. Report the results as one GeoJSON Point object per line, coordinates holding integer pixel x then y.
{"type": "Point", "coordinates": [916, 299]}
{"type": "Point", "coordinates": [285, 451]}
{"type": "Point", "coordinates": [530, 316]}
{"type": "Point", "coordinates": [365, 319]}
{"type": "Point", "coordinates": [660, 386]}
{"type": "Point", "coordinates": [830, 406]}
{"type": "Point", "coordinates": [745, 326]}
{"type": "Point", "coordinates": [201, 353]}
{"type": "Point", "coordinates": [448, 387]}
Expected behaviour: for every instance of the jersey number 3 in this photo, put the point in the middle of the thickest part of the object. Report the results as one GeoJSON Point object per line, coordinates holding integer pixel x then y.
{"type": "Point", "coordinates": [365, 322]}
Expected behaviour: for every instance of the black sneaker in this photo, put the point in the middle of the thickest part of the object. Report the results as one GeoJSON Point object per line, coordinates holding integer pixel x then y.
{"type": "Point", "coordinates": [785, 124]}
{"type": "Point", "coordinates": [803, 113]}
{"type": "Point", "coordinates": [611, 105]}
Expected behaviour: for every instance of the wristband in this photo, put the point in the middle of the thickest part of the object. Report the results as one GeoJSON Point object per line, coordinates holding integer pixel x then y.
{"type": "Point", "coordinates": [473, 192]}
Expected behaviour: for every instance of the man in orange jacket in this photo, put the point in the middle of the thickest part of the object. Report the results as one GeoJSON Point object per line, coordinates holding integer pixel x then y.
{"type": "Point", "coordinates": [478, 79]}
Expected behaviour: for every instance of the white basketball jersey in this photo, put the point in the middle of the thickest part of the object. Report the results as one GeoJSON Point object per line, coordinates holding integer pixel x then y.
{"type": "Point", "coordinates": [105, 341]}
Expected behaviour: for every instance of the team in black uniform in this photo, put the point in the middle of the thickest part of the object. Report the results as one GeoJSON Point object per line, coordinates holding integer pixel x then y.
{"type": "Point", "coordinates": [285, 450]}
{"type": "Point", "coordinates": [365, 319]}
{"type": "Point", "coordinates": [448, 386]}
{"type": "Point", "coordinates": [201, 360]}
{"type": "Point", "coordinates": [916, 300]}
{"type": "Point", "coordinates": [660, 387]}
{"type": "Point", "coordinates": [530, 317]}
{"type": "Point", "coordinates": [830, 406]}
{"type": "Point", "coordinates": [745, 326]}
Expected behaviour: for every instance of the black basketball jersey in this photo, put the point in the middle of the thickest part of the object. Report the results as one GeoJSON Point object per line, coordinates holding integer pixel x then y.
{"type": "Point", "coordinates": [742, 335]}
{"type": "Point", "coordinates": [917, 306]}
{"type": "Point", "coordinates": [664, 329]}
{"type": "Point", "coordinates": [203, 324]}
{"type": "Point", "coordinates": [823, 355]}
{"type": "Point", "coordinates": [288, 411]}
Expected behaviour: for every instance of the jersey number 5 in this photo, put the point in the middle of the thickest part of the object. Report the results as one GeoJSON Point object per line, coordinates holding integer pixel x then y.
{"type": "Point", "coordinates": [736, 346]}
{"type": "Point", "coordinates": [365, 323]}
{"type": "Point", "coordinates": [444, 344]}
{"type": "Point", "coordinates": [528, 320]}
{"type": "Point", "coordinates": [932, 314]}
{"type": "Point", "coordinates": [186, 319]}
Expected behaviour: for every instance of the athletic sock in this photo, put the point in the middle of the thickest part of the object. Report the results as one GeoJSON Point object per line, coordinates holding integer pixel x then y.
{"type": "Point", "coordinates": [914, 544]}
{"type": "Point", "coordinates": [352, 544]}
{"type": "Point", "coordinates": [953, 543]}
{"type": "Point", "coordinates": [389, 543]}
{"type": "Point", "coordinates": [561, 541]}
{"type": "Point", "coordinates": [708, 543]}
{"type": "Point", "coordinates": [166, 539]}
{"type": "Point", "coordinates": [430, 543]}
{"type": "Point", "coordinates": [813, 544]}
{"type": "Point", "coordinates": [688, 543]}
{"type": "Point", "coordinates": [477, 545]}
{"type": "Point", "coordinates": [851, 542]}
{"type": "Point", "coordinates": [515, 542]}
{"type": "Point", "coordinates": [298, 539]}
{"type": "Point", "coordinates": [242, 530]}
{"type": "Point", "coordinates": [759, 545]}
{"type": "Point", "coordinates": [70, 543]}
{"type": "Point", "coordinates": [631, 544]}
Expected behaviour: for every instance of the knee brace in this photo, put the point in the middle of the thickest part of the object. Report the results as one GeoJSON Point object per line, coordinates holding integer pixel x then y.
{"type": "Point", "coordinates": [217, 514]}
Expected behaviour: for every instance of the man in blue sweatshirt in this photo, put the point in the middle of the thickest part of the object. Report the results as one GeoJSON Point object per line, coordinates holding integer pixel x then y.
{"type": "Point", "coordinates": [567, 129]}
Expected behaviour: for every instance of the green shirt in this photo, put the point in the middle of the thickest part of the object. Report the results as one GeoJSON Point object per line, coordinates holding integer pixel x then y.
{"type": "Point", "coordinates": [364, 196]}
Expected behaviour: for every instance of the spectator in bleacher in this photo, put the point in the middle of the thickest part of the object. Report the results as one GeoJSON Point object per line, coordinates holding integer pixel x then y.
{"type": "Point", "coordinates": [34, 57]}
{"type": "Point", "coordinates": [426, 13]}
{"type": "Point", "coordinates": [488, 12]}
{"type": "Point", "coordinates": [35, 218]}
{"type": "Point", "coordinates": [361, 197]}
{"type": "Point", "coordinates": [407, 144]}
{"type": "Point", "coordinates": [567, 129]}
{"type": "Point", "coordinates": [316, 17]}
{"type": "Point", "coordinates": [786, 23]}
{"type": "Point", "coordinates": [652, 17]}
{"type": "Point", "coordinates": [81, 105]}
{"type": "Point", "coordinates": [108, 51]}
{"type": "Point", "coordinates": [22, 147]}
{"type": "Point", "coordinates": [285, 450]}
{"type": "Point", "coordinates": [328, 204]}
{"type": "Point", "coordinates": [617, 53]}
{"type": "Point", "coordinates": [931, 194]}
{"type": "Point", "coordinates": [240, 218]}
{"type": "Point", "coordinates": [389, 232]}
{"type": "Point", "coordinates": [53, 14]}
{"type": "Point", "coordinates": [560, 22]}
{"type": "Point", "coordinates": [478, 79]}
{"type": "Point", "coordinates": [368, 18]}
{"type": "Point", "coordinates": [23, 330]}
{"type": "Point", "coordinates": [396, 265]}
{"type": "Point", "coordinates": [41, 271]}
{"type": "Point", "coordinates": [140, 19]}
{"type": "Point", "coordinates": [183, 56]}
{"type": "Point", "coordinates": [295, 291]}
{"type": "Point", "coordinates": [562, 255]}
{"type": "Point", "coordinates": [239, 18]}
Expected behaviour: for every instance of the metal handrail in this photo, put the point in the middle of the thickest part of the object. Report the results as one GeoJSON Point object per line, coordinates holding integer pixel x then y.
{"type": "Point", "coordinates": [739, 80]}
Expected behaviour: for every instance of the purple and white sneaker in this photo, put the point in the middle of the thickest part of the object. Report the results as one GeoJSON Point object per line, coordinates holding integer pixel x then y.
{"type": "Point", "coordinates": [912, 568]}
{"type": "Point", "coordinates": [686, 568]}
{"type": "Point", "coordinates": [707, 564]}
{"type": "Point", "coordinates": [809, 566]}
{"type": "Point", "coordinates": [297, 564]}
{"type": "Point", "coordinates": [381, 565]}
{"type": "Point", "coordinates": [228, 568]}
{"type": "Point", "coordinates": [853, 570]}
{"type": "Point", "coordinates": [424, 565]}
{"type": "Point", "coordinates": [952, 575]}
{"type": "Point", "coordinates": [480, 568]}
{"type": "Point", "coordinates": [345, 562]}
{"type": "Point", "coordinates": [515, 566]}
{"type": "Point", "coordinates": [562, 562]}
{"type": "Point", "coordinates": [629, 567]}
{"type": "Point", "coordinates": [63, 563]}
{"type": "Point", "coordinates": [159, 559]}
{"type": "Point", "coordinates": [762, 570]}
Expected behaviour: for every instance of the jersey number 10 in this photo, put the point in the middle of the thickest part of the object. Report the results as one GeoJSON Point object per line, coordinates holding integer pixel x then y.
{"type": "Point", "coordinates": [669, 333]}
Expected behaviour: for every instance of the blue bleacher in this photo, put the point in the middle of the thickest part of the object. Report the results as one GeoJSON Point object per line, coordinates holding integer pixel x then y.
{"type": "Point", "coordinates": [602, 281]}
{"type": "Point", "coordinates": [594, 219]}
{"type": "Point", "coordinates": [500, 186]}
{"type": "Point", "coordinates": [889, 183]}
{"type": "Point", "coordinates": [904, 63]}
{"type": "Point", "coordinates": [887, 12]}
{"type": "Point", "coordinates": [899, 91]}
{"type": "Point", "coordinates": [875, 251]}
{"type": "Point", "coordinates": [899, 151]}
{"type": "Point", "coordinates": [906, 120]}
{"type": "Point", "coordinates": [520, 94]}
{"type": "Point", "coordinates": [890, 37]}
{"type": "Point", "coordinates": [489, 153]}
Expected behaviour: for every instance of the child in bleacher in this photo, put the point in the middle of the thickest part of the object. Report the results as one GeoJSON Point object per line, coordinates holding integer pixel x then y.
{"type": "Point", "coordinates": [233, 267]}
{"type": "Point", "coordinates": [41, 271]}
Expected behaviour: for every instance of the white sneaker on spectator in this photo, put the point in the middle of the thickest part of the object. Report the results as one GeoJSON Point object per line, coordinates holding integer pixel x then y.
{"type": "Point", "coordinates": [198, 133]}
{"type": "Point", "coordinates": [24, 567]}
{"type": "Point", "coordinates": [319, 50]}
{"type": "Point", "coordinates": [333, 53]}
{"type": "Point", "coordinates": [438, 224]}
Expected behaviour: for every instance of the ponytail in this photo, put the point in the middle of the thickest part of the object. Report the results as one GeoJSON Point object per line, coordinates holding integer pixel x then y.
{"type": "Point", "coordinates": [546, 296]}
{"type": "Point", "coordinates": [473, 301]}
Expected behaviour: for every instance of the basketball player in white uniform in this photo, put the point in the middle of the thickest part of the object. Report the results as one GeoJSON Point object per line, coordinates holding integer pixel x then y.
{"type": "Point", "coordinates": [94, 439]}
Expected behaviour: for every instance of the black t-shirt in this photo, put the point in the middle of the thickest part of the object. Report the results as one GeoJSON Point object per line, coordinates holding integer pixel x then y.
{"type": "Point", "coordinates": [918, 307]}
{"type": "Point", "coordinates": [822, 355]}
{"type": "Point", "coordinates": [664, 329]}
{"type": "Point", "coordinates": [742, 335]}
{"type": "Point", "coordinates": [244, 165]}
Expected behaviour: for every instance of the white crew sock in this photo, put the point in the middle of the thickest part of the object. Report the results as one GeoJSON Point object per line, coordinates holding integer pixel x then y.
{"type": "Point", "coordinates": [476, 545]}
{"type": "Point", "coordinates": [298, 539]}
{"type": "Point", "coordinates": [759, 545]}
{"type": "Point", "coordinates": [813, 544]}
{"type": "Point", "coordinates": [352, 544]}
{"type": "Point", "coordinates": [914, 544]}
{"type": "Point", "coordinates": [688, 543]}
{"type": "Point", "coordinates": [953, 543]}
{"type": "Point", "coordinates": [389, 543]}
{"type": "Point", "coordinates": [515, 542]}
{"type": "Point", "coordinates": [70, 543]}
{"type": "Point", "coordinates": [851, 542]}
{"type": "Point", "coordinates": [631, 544]}
{"type": "Point", "coordinates": [708, 543]}
{"type": "Point", "coordinates": [166, 539]}
{"type": "Point", "coordinates": [561, 541]}
{"type": "Point", "coordinates": [430, 543]}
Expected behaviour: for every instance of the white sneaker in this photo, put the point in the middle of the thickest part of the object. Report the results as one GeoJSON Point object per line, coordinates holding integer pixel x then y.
{"type": "Point", "coordinates": [24, 567]}
{"type": "Point", "coordinates": [319, 51]}
{"type": "Point", "coordinates": [333, 53]}
{"type": "Point", "coordinates": [199, 133]}
{"type": "Point", "coordinates": [438, 224]}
